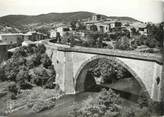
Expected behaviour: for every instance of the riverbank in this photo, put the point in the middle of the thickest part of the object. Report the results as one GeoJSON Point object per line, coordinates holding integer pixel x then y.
{"type": "Point", "coordinates": [28, 101]}
{"type": "Point", "coordinates": [40, 102]}
{"type": "Point", "coordinates": [67, 104]}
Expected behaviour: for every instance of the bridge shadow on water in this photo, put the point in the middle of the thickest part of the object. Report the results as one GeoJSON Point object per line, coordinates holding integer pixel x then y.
{"type": "Point", "coordinates": [129, 99]}
{"type": "Point", "coordinates": [126, 88]}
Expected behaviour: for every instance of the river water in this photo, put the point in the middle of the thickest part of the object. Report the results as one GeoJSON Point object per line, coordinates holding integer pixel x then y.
{"type": "Point", "coordinates": [68, 102]}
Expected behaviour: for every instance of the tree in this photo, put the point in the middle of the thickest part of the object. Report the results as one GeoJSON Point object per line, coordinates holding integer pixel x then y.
{"type": "Point", "coordinates": [118, 24]}
{"type": "Point", "coordinates": [58, 37]}
{"type": "Point", "coordinates": [99, 43]}
{"type": "Point", "coordinates": [152, 42]}
{"type": "Point", "coordinates": [156, 33]}
{"type": "Point", "coordinates": [45, 60]}
{"type": "Point", "coordinates": [35, 59]}
{"type": "Point", "coordinates": [11, 69]}
{"type": "Point", "coordinates": [134, 31]}
{"type": "Point", "coordinates": [19, 52]}
{"type": "Point", "coordinates": [22, 79]}
{"type": "Point", "coordinates": [2, 74]}
{"type": "Point", "coordinates": [109, 70]}
{"type": "Point", "coordinates": [41, 48]}
{"type": "Point", "coordinates": [73, 24]}
{"type": "Point", "coordinates": [77, 25]}
{"type": "Point", "coordinates": [108, 104]}
{"type": "Point", "coordinates": [13, 89]}
{"type": "Point", "coordinates": [29, 66]}
{"type": "Point", "coordinates": [123, 43]}
{"type": "Point", "coordinates": [82, 26]}
{"type": "Point", "coordinates": [43, 30]}
{"type": "Point", "coordinates": [91, 42]}
{"type": "Point", "coordinates": [39, 76]}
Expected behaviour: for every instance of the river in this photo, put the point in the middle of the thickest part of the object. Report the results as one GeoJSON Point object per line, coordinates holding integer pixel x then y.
{"type": "Point", "coordinates": [67, 103]}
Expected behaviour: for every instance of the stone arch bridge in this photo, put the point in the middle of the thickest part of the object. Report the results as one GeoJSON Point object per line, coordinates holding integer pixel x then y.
{"type": "Point", "coordinates": [71, 62]}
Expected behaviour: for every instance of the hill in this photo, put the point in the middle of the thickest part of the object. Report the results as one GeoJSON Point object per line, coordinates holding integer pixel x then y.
{"type": "Point", "coordinates": [128, 19]}
{"type": "Point", "coordinates": [43, 18]}
{"type": "Point", "coordinates": [19, 20]}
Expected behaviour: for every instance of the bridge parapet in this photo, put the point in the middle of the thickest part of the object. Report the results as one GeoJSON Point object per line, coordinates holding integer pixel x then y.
{"type": "Point", "coordinates": [109, 52]}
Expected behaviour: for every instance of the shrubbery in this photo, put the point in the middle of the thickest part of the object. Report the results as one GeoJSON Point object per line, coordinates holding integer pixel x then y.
{"type": "Point", "coordinates": [29, 66]}
{"type": "Point", "coordinates": [32, 101]}
{"type": "Point", "coordinates": [13, 89]}
{"type": "Point", "coordinates": [109, 70]}
{"type": "Point", "coordinates": [42, 105]}
{"type": "Point", "coordinates": [100, 106]}
{"type": "Point", "coordinates": [42, 99]}
{"type": "Point", "coordinates": [108, 104]}
{"type": "Point", "coordinates": [123, 43]}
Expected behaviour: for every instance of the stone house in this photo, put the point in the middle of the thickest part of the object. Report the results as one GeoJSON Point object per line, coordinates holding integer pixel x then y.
{"type": "Point", "coordinates": [60, 29]}
{"type": "Point", "coordinates": [12, 38]}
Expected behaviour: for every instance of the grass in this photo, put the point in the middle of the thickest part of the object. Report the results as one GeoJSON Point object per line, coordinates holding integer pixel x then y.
{"type": "Point", "coordinates": [32, 100]}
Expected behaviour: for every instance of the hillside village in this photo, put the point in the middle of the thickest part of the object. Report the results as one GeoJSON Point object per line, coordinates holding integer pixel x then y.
{"type": "Point", "coordinates": [96, 31]}
{"type": "Point", "coordinates": [108, 30]}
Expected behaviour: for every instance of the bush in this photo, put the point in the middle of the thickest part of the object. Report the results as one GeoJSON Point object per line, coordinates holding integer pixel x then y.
{"type": "Point", "coordinates": [108, 104]}
{"type": "Point", "coordinates": [101, 105]}
{"type": "Point", "coordinates": [41, 48]}
{"type": "Point", "coordinates": [22, 79]}
{"type": "Point", "coordinates": [2, 74]}
{"type": "Point", "coordinates": [36, 59]}
{"type": "Point", "coordinates": [123, 44]}
{"type": "Point", "coordinates": [42, 105]}
{"type": "Point", "coordinates": [109, 70]}
{"type": "Point", "coordinates": [19, 52]}
{"type": "Point", "coordinates": [13, 90]}
{"type": "Point", "coordinates": [28, 67]}
{"type": "Point", "coordinates": [45, 60]}
{"type": "Point", "coordinates": [41, 99]}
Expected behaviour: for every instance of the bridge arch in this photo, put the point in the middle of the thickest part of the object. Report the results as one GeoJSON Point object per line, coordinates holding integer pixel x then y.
{"type": "Point", "coordinates": [80, 76]}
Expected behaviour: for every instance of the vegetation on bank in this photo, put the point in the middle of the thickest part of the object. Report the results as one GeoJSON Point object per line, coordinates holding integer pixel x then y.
{"type": "Point", "coordinates": [29, 66]}
{"type": "Point", "coordinates": [109, 104]}
{"type": "Point", "coordinates": [29, 101]}
{"type": "Point", "coordinates": [30, 78]}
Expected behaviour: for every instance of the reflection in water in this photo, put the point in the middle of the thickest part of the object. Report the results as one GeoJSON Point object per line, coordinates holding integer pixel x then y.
{"type": "Point", "coordinates": [89, 83]}
{"type": "Point", "coordinates": [127, 88]}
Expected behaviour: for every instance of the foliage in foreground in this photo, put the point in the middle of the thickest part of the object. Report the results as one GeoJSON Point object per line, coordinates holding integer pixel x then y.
{"type": "Point", "coordinates": [108, 104]}
{"type": "Point", "coordinates": [28, 67]}
{"type": "Point", "coordinates": [34, 100]}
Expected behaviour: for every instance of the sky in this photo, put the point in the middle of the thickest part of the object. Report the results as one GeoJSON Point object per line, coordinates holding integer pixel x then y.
{"type": "Point", "coordinates": [143, 10]}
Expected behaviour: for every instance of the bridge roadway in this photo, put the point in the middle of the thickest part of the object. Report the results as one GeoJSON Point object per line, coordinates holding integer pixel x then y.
{"type": "Point", "coordinates": [109, 52]}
